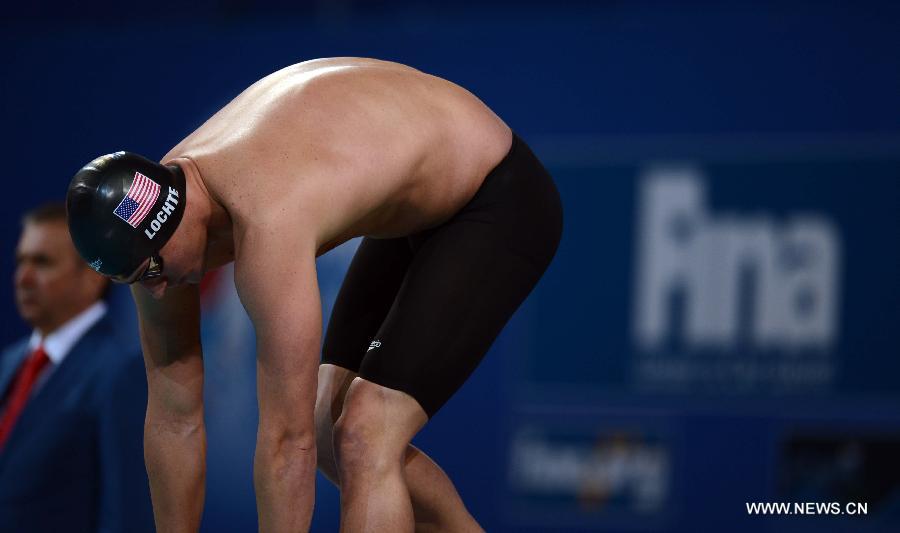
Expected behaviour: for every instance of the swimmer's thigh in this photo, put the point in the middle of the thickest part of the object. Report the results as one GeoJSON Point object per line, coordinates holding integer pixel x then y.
{"type": "Point", "coordinates": [366, 295]}
{"type": "Point", "coordinates": [464, 283]}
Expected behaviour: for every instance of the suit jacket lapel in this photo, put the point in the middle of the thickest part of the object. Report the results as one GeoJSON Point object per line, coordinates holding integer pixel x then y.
{"type": "Point", "coordinates": [64, 378]}
{"type": "Point", "coordinates": [10, 363]}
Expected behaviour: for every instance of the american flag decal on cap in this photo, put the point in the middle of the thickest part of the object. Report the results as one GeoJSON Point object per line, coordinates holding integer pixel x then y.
{"type": "Point", "coordinates": [138, 200]}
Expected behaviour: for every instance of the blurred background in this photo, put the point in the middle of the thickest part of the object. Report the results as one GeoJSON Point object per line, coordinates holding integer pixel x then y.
{"type": "Point", "coordinates": [721, 324]}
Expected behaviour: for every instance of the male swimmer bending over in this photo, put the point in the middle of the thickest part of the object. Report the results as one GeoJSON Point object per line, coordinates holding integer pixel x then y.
{"type": "Point", "coordinates": [460, 221]}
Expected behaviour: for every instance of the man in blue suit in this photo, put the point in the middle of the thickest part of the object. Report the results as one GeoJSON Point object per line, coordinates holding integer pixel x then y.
{"type": "Point", "coordinates": [72, 400]}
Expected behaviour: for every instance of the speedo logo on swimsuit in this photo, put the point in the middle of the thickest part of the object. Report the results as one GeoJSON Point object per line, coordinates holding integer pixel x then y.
{"type": "Point", "coordinates": [96, 264]}
{"type": "Point", "coordinates": [163, 214]}
{"type": "Point", "coordinates": [374, 344]}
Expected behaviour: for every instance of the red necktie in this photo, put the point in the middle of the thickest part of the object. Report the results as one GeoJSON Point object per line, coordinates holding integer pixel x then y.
{"type": "Point", "coordinates": [21, 390]}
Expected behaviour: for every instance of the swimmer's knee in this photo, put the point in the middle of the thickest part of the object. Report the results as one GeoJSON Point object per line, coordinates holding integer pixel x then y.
{"type": "Point", "coordinates": [332, 388]}
{"type": "Point", "coordinates": [333, 382]}
{"type": "Point", "coordinates": [360, 443]}
{"type": "Point", "coordinates": [324, 418]}
{"type": "Point", "coordinates": [324, 438]}
{"type": "Point", "coordinates": [354, 443]}
{"type": "Point", "coordinates": [374, 428]}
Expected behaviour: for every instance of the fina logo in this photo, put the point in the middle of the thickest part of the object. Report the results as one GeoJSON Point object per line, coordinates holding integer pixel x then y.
{"type": "Point", "coordinates": [707, 258]}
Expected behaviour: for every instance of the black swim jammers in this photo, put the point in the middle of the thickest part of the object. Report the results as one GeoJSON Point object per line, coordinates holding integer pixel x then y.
{"type": "Point", "coordinates": [418, 313]}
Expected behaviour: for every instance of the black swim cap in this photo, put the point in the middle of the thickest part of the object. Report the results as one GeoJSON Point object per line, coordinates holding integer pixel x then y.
{"type": "Point", "coordinates": [122, 208]}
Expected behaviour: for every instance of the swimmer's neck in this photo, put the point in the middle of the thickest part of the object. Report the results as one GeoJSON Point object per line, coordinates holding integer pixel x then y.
{"type": "Point", "coordinates": [210, 213]}
{"type": "Point", "coordinates": [216, 217]}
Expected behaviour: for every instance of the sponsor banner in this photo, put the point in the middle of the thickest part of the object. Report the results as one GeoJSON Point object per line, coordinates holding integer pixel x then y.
{"type": "Point", "coordinates": [578, 473]}
{"type": "Point", "coordinates": [750, 279]}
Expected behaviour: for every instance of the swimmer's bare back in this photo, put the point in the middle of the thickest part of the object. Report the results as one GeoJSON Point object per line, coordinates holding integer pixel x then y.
{"type": "Point", "coordinates": [344, 147]}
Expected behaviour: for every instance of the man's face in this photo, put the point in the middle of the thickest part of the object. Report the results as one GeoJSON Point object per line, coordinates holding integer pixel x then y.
{"type": "Point", "coordinates": [183, 258]}
{"type": "Point", "coordinates": [52, 283]}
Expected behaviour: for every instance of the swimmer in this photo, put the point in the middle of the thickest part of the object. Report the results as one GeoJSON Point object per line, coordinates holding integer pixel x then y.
{"type": "Point", "coordinates": [459, 221]}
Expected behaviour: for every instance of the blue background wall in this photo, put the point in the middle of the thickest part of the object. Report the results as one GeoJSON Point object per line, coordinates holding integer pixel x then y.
{"type": "Point", "coordinates": [778, 110]}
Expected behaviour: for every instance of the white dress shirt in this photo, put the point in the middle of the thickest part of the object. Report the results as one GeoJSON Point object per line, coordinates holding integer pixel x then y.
{"type": "Point", "coordinates": [58, 344]}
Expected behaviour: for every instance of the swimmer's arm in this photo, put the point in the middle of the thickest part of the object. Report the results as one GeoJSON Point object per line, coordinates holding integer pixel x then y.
{"type": "Point", "coordinates": [275, 276]}
{"type": "Point", "coordinates": [174, 434]}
